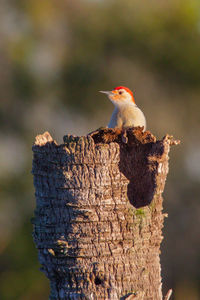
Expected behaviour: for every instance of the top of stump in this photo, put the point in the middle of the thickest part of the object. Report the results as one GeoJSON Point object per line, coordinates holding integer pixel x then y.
{"type": "Point", "coordinates": [108, 135]}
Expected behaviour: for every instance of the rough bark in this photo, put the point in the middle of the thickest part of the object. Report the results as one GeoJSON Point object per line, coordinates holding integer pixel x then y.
{"type": "Point", "coordinates": [98, 219]}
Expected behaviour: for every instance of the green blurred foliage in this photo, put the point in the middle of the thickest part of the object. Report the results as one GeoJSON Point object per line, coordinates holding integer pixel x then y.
{"type": "Point", "coordinates": [55, 57]}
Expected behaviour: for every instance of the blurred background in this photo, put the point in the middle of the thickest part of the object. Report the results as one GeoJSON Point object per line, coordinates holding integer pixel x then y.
{"type": "Point", "coordinates": [55, 57]}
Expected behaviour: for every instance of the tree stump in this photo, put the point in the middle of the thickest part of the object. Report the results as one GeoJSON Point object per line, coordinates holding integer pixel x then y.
{"type": "Point", "coordinates": [98, 218]}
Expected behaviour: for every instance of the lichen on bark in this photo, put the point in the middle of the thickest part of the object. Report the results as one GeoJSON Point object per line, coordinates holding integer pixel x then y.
{"type": "Point", "coordinates": [98, 218]}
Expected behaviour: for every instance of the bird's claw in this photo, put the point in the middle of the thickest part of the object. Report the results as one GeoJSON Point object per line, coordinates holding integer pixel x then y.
{"type": "Point", "coordinates": [124, 137]}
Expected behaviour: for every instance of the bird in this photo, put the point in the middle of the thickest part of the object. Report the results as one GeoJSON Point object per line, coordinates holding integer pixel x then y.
{"type": "Point", "coordinates": [126, 113]}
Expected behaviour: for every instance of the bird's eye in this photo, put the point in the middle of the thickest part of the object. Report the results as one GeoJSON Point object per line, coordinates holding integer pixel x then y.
{"type": "Point", "coordinates": [120, 92]}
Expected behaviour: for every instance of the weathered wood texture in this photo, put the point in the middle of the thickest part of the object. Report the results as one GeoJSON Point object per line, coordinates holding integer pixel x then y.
{"type": "Point", "coordinates": [98, 219]}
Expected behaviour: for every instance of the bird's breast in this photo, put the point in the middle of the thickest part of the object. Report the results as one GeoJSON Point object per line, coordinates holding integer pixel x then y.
{"type": "Point", "coordinates": [128, 116]}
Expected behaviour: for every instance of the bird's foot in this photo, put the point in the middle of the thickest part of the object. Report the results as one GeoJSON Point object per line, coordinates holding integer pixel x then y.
{"type": "Point", "coordinates": [124, 136]}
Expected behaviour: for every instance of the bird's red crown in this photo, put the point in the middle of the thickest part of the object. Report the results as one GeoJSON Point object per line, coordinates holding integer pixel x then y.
{"type": "Point", "coordinates": [126, 89]}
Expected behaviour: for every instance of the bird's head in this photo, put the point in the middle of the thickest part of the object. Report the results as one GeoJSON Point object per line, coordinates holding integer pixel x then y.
{"type": "Point", "coordinates": [120, 95]}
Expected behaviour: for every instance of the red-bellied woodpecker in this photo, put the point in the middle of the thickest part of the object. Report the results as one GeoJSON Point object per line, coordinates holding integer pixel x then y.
{"type": "Point", "coordinates": [126, 112]}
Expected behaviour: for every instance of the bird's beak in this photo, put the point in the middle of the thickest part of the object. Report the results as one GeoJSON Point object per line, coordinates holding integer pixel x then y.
{"type": "Point", "coordinates": [106, 92]}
